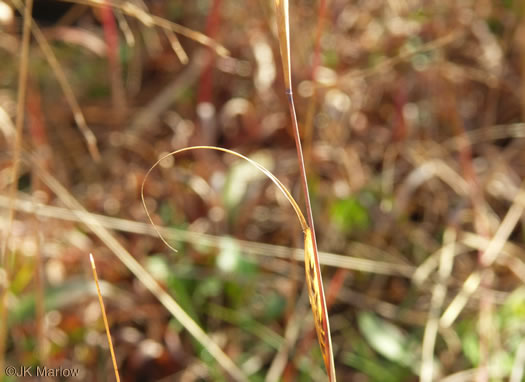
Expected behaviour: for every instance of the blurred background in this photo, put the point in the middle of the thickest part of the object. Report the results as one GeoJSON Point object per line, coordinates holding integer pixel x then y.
{"type": "Point", "coordinates": [411, 115]}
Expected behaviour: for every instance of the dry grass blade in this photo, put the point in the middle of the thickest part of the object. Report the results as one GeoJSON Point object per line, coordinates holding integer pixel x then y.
{"type": "Point", "coordinates": [176, 46]}
{"type": "Point", "coordinates": [312, 266]}
{"type": "Point", "coordinates": [272, 177]}
{"type": "Point", "coordinates": [104, 317]}
{"type": "Point", "coordinates": [124, 27]}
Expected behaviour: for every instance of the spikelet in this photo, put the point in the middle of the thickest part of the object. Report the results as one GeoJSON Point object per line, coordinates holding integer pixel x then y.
{"type": "Point", "coordinates": [317, 302]}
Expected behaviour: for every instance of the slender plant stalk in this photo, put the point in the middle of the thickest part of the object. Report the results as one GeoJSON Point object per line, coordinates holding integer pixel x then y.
{"type": "Point", "coordinates": [17, 150]}
{"type": "Point", "coordinates": [104, 317]}
{"type": "Point", "coordinates": [313, 270]}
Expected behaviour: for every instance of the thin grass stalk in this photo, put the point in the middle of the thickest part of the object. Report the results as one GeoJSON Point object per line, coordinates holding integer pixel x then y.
{"type": "Point", "coordinates": [105, 318]}
{"type": "Point", "coordinates": [17, 152]}
{"type": "Point", "coordinates": [177, 46]}
{"type": "Point", "coordinates": [313, 271]}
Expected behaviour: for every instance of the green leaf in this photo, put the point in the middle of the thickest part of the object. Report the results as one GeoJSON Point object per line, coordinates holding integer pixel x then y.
{"type": "Point", "coordinates": [386, 339]}
{"type": "Point", "coordinates": [180, 289]}
{"type": "Point", "coordinates": [349, 214]}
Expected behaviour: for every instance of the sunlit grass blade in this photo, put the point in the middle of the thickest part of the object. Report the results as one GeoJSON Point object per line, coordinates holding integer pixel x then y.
{"type": "Point", "coordinates": [259, 167]}
{"type": "Point", "coordinates": [104, 317]}
{"type": "Point", "coordinates": [313, 269]}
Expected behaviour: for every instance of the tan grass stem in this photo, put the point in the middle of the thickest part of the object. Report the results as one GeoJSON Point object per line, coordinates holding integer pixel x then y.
{"type": "Point", "coordinates": [104, 317]}
{"type": "Point", "coordinates": [313, 271]}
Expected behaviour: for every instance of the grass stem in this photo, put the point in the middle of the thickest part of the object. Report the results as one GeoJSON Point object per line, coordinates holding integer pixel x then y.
{"type": "Point", "coordinates": [313, 270]}
{"type": "Point", "coordinates": [104, 317]}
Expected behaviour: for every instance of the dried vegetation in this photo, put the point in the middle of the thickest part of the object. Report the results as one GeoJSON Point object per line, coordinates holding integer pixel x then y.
{"type": "Point", "coordinates": [411, 115]}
